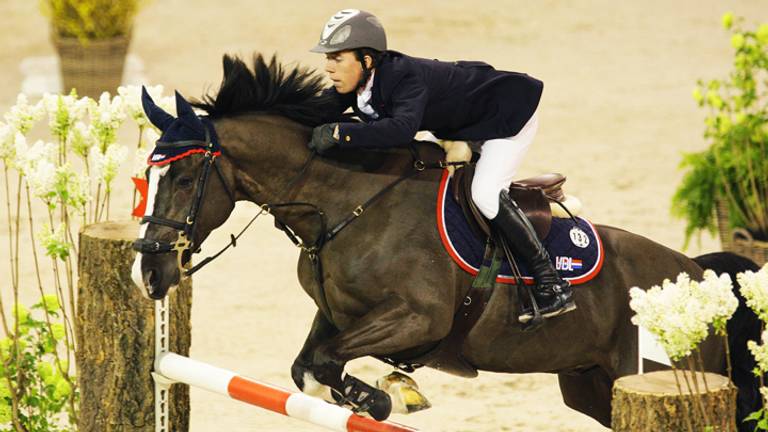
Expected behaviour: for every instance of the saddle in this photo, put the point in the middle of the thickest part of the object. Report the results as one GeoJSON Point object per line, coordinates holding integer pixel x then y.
{"type": "Point", "coordinates": [533, 195]}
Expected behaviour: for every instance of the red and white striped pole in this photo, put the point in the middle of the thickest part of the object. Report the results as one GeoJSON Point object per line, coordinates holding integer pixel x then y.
{"type": "Point", "coordinates": [297, 405]}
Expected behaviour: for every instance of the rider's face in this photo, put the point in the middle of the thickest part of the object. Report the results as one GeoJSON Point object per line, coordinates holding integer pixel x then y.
{"type": "Point", "coordinates": [344, 69]}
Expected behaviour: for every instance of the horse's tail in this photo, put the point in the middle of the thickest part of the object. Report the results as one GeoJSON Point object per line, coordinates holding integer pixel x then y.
{"type": "Point", "coordinates": [743, 326]}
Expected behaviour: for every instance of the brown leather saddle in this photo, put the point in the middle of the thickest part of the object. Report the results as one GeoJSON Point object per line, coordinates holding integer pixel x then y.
{"type": "Point", "coordinates": [533, 195]}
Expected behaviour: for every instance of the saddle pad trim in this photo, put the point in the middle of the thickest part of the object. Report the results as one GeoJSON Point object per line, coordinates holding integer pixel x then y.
{"type": "Point", "coordinates": [502, 278]}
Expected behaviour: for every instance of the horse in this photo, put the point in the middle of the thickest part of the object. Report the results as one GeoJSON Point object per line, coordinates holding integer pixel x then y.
{"type": "Point", "coordinates": [383, 284]}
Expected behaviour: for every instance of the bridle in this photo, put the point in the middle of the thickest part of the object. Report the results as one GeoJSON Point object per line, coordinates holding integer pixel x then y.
{"type": "Point", "coordinates": [185, 241]}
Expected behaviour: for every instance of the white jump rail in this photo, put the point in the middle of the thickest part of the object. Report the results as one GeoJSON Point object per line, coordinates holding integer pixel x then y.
{"type": "Point", "coordinates": [173, 368]}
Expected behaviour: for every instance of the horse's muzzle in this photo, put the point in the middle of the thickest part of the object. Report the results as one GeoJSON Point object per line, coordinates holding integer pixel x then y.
{"type": "Point", "coordinates": [155, 274]}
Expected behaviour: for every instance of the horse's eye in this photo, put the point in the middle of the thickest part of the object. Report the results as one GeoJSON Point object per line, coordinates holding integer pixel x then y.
{"type": "Point", "coordinates": [184, 182]}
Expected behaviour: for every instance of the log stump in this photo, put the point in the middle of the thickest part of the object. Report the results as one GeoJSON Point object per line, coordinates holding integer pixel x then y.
{"type": "Point", "coordinates": [116, 336]}
{"type": "Point", "coordinates": [652, 402]}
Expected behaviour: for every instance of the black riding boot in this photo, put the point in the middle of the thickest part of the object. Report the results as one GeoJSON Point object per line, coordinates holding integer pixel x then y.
{"type": "Point", "coordinates": [554, 295]}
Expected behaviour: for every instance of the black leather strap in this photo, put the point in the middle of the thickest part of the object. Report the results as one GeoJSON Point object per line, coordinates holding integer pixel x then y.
{"type": "Point", "coordinates": [163, 145]}
{"type": "Point", "coordinates": [359, 210]}
{"type": "Point", "coordinates": [162, 221]}
{"type": "Point", "coordinates": [151, 246]}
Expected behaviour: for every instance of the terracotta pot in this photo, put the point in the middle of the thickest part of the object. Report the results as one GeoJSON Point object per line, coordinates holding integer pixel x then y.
{"type": "Point", "coordinates": [92, 67]}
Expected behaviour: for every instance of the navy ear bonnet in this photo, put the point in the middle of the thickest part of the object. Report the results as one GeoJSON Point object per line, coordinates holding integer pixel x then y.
{"type": "Point", "coordinates": [181, 136]}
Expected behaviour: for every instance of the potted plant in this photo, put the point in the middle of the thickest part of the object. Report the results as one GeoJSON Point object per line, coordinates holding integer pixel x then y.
{"type": "Point", "coordinates": [726, 185]}
{"type": "Point", "coordinates": [91, 38]}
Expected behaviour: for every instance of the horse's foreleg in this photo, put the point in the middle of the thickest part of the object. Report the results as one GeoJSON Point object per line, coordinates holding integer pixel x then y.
{"type": "Point", "coordinates": [301, 370]}
{"type": "Point", "coordinates": [392, 326]}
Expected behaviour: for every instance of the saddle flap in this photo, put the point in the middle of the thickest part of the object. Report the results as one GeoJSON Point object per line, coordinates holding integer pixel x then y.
{"type": "Point", "coordinates": [535, 205]}
{"type": "Point", "coordinates": [462, 193]}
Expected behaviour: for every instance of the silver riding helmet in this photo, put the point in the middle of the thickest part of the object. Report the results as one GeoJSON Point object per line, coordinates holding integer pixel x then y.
{"type": "Point", "coordinates": [350, 29]}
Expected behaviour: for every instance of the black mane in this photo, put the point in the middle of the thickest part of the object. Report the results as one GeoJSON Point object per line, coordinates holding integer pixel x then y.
{"type": "Point", "coordinates": [294, 93]}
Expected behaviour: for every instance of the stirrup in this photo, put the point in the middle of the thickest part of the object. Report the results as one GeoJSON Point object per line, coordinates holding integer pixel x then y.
{"type": "Point", "coordinates": [525, 318]}
{"type": "Point", "coordinates": [535, 316]}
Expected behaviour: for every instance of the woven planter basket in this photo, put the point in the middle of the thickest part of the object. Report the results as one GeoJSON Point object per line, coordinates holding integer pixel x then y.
{"type": "Point", "coordinates": [739, 240]}
{"type": "Point", "coordinates": [92, 68]}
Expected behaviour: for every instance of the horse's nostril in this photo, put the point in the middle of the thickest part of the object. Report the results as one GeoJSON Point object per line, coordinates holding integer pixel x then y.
{"type": "Point", "coordinates": [153, 278]}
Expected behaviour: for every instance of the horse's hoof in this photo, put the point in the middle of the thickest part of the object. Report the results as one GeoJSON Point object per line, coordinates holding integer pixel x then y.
{"type": "Point", "coordinates": [404, 393]}
{"type": "Point", "coordinates": [395, 377]}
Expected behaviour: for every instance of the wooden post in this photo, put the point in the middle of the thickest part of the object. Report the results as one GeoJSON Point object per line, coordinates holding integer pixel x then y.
{"type": "Point", "coordinates": [116, 329]}
{"type": "Point", "coordinates": [652, 402]}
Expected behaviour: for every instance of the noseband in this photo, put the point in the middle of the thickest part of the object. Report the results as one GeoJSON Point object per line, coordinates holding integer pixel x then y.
{"type": "Point", "coordinates": [184, 230]}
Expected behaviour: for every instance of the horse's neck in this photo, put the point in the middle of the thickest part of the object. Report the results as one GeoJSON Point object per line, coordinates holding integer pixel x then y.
{"type": "Point", "coordinates": [268, 154]}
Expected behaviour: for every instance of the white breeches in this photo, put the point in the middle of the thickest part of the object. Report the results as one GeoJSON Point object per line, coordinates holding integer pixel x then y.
{"type": "Point", "coordinates": [499, 162]}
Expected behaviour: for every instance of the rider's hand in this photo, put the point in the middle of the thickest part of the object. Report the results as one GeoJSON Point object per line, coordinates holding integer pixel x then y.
{"type": "Point", "coordinates": [324, 137]}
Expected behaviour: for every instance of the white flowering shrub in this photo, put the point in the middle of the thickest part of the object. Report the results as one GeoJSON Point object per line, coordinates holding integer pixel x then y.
{"type": "Point", "coordinates": [106, 117]}
{"type": "Point", "coordinates": [680, 313]}
{"type": "Point", "coordinates": [106, 165]}
{"type": "Point", "coordinates": [23, 116]}
{"type": "Point", "coordinates": [760, 351]}
{"type": "Point", "coordinates": [54, 241]}
{"type": "Point", "coordinates": [81, 139]}
{"type": "Point", "coordinates": [27, 158]}
{"type": "Point", "coordinates": [7, 144]}
{"type": "Point", "coordinates": [63, 112]}
{"type": "Point", "coordinates": [754, 288]}
{"type": "Point", "coordinates": [716, 293]}
{"type": "Point", "coordinates": [41, 178]}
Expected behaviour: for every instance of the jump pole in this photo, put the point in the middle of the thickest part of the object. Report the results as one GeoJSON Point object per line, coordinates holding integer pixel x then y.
{"type": "Point", "coordinates": [173, 368]}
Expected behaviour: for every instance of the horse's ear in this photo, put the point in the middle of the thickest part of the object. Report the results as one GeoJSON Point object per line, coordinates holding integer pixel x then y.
{"type": "Point", "coordinates": [155, 114]}
{"type": "Point", "coordinates": [187, 114]}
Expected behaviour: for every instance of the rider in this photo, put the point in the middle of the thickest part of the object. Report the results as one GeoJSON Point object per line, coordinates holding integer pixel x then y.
{"type": "Point", "coordinates": [396, 95]}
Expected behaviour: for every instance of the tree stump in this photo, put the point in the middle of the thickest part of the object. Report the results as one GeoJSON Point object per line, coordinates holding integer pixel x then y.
{"type": "Point", "coordinates": [116, 343]}
{"type": "Point", "coordinates": [652, 402]}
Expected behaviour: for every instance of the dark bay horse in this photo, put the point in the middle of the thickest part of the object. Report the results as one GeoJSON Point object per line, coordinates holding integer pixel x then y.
{"type": "Point", "coordinates": [389, 286]}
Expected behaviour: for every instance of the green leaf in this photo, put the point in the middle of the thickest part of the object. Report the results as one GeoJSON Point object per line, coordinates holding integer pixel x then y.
{"type": "Point", "coordinates": [45, 370]}
{"type": "Point", "coordinates": [762, 424]}
{"type": "Point", "coordinates": [5, 411]}
{"type": "Point", "coordinates": [58, 331]}
{"type": "Point", "coordinates": [762, 34]}
{"type": "Point", "coordinates": [21, 312]}
{"type": "Point", "coordinates": [51, 303]}
{"type": "Point", "coordinates": [63, 389]}
{"type": "Point", "coordinates": [737, 40]}
{"type": "Point", "coordinates": [727, 20]}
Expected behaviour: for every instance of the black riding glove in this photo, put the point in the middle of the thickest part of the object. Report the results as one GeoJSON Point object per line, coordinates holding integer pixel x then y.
{"type": "Point", "coordinates": [323, 139]}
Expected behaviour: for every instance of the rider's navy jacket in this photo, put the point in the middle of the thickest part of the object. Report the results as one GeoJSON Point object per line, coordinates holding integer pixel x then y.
{"type": "Point", "coordinates": [463, 100]}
